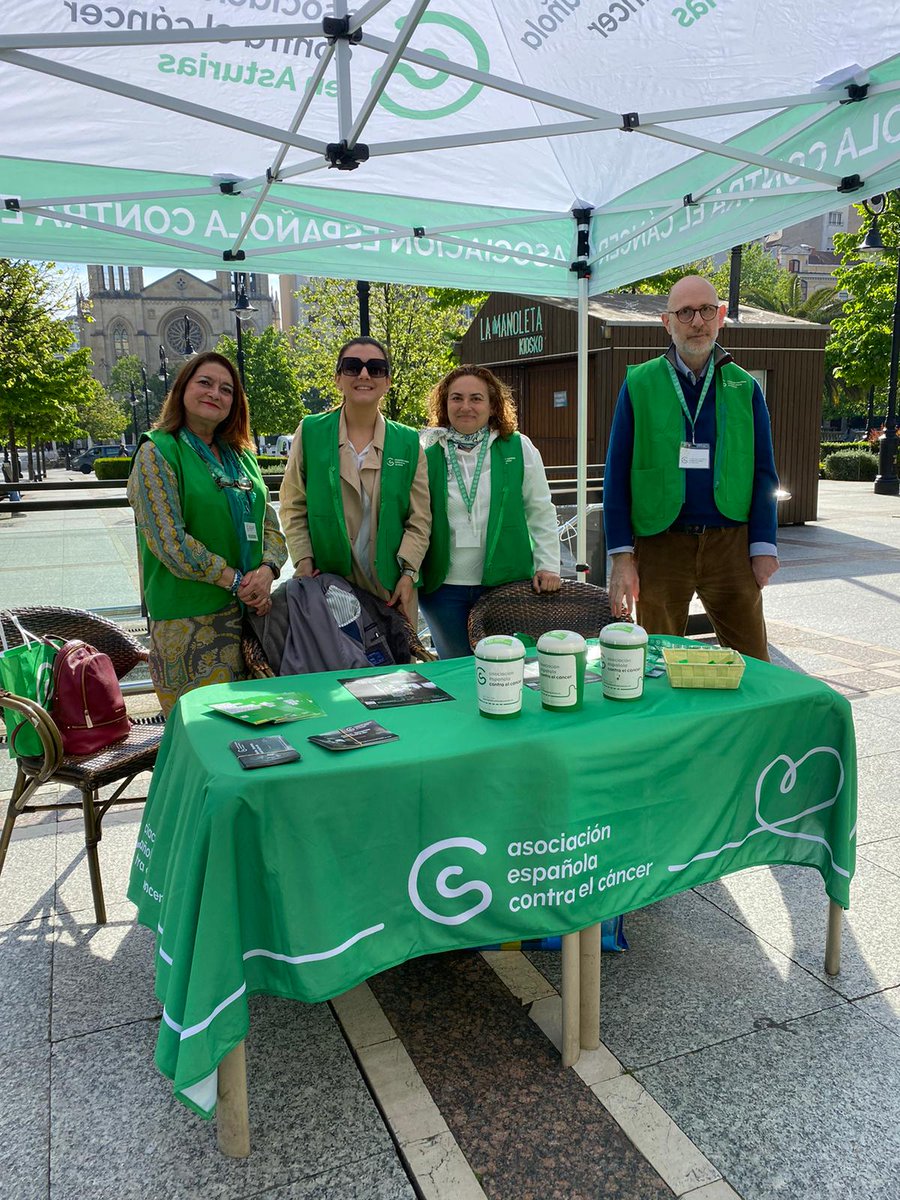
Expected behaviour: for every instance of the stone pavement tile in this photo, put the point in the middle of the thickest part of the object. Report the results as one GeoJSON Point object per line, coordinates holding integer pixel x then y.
{"type": "Point", "coordinates": [883, 1007]}
{"type": "Point", "coordinates": [378, 1178]}
{"type": "Point", "coordinates": [310, 1113]}
{"type": "Point", "coordinates": [808, 1110]}
{"type": "Point", "coordinates": [440, 1169]}
{"type": "Point", "coordinates": [103, 975]}
{"type": "Point", "coordinates": [28, 881]}
{"type": "Point", "coordinates": [886, 854]}
{"type": "Point", "coordinates": [500, 1087]}
{"type": "Point", "coordinates": [525, 983]}
{"type": "Point", "coordinates": [885, 704]}
{"type": "Point", "coordinates": [655, 1134]}
{"type": "Point", "coordinates": [25, 958]}
{"type": "Point", "coordinates": [73, 891]}
{"type": "Point", "coordinates": [661, 997]}
{"type": "Point", "coordinates": [24, 1121]}
{"type": "Point", "coordinates": [402, 1096]}
{"type": "Point", "coordinates": [859, 682]}
{"type": "Point", "coordinates": [811, 662]}
{"type": "Point", "coordinates": [875, 734]}
{"type": "Point", "coordinates": [105, 586]}
{"type": "Point", "coordinates": [878, 805]}
{"type": "Point", "coordinates": [787, 908]}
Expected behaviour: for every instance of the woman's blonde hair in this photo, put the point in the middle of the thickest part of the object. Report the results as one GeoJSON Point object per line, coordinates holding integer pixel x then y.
{"type": "Point", "coordinates": [234, 429]}
{"type": "Point", "coordinates": [503, 408]}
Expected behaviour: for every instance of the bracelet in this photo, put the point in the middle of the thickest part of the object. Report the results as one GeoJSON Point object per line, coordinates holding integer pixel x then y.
{"type": "Point", "coordinates": [236, 582]}
{"type": "Point", "coordinates": [276, 571]}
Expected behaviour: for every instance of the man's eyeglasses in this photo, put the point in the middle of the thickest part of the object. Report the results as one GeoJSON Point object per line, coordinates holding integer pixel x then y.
{"type": "Point", "coordinates": [686, 315]}
{"type": "Point", "coordinates": [377, 367]}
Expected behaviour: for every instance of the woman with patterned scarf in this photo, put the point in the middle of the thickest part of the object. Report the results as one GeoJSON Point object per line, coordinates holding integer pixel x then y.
{"type": "Point", "coordinates": [493, 520]}
{"type": "Point", "coordinates": [210, 542]}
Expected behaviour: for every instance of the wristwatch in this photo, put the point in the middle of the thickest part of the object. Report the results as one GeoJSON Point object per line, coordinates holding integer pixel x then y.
{"type": "Point", "coordinates": [408, 571]}
{"type": "Point", "coordinates": [276, 571]}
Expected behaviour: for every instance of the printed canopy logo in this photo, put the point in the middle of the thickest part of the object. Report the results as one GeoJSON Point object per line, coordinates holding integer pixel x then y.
{"type": "Point", "coordinates": [416, 109]}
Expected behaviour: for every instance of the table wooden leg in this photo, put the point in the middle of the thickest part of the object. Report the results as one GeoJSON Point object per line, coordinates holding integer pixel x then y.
{"type": "Point", "coordinates": [571, 999]}
{"type": "Point", "coordinates": [833, 938]}
{"type": "Point", "coordinates": [589, 941]}
{"type": "Point", "coordinates": [232, 1118]}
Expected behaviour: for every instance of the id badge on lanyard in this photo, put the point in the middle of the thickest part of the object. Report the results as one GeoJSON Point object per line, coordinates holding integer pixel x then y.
{"type": "Point", "coordinates": [250, 531]}
{"type": "Point", "coordinates": [693, 456]}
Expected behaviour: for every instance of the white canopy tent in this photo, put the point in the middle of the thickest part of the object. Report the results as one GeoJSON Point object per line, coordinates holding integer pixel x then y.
{"type": "Point", "coordinates": [549, 147]}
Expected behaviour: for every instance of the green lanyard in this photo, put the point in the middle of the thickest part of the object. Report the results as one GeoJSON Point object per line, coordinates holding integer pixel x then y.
{"type": "Point", "coordinates": [676, 384]}
{"type": "Point", "coordinates": [468, 497]}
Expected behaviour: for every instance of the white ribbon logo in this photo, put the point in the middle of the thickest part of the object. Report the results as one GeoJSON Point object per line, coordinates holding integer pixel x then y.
{"type": "Point", "coordinates": [443, 887]}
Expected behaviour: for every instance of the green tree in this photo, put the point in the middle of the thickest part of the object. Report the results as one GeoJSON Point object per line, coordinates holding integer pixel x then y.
{"type": "Point", "coordinates": [272, 378]}
{"type": "Point", "coordinates": [759, 273]}
{"type": "Point", "coordinates": [42, 381]}
{"type": "Point", "coordinates": [417, 325]}
{"type": "Point", "coordinates": [786, 297]}
{"type": "Point", "coordinates": [127, 374]}
{"type": "Point", "coordinates": [858, 354]}
{"type": "Point", "coordinates": [100, 416]}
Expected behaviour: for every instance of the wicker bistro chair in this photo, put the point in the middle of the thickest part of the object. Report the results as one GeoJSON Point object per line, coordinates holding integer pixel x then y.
{"type": "Point", "coordinates": [117, 764]}
{"type": "Point", "coordinates": [517, 608]}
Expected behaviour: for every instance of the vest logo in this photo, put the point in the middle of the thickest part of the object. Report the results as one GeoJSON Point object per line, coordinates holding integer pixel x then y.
{"type": "Point", "coordinates": [445, 86]}
{"type": "Point", "coordinates": [509, 460]}
{"type": "Point", "coordinates": [396, 462]}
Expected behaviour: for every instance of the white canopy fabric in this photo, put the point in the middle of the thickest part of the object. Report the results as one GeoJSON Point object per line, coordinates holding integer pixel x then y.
{"type": "Point", "coordinates": [443, 142]}
{"type": "Point", "coordinates": [686, 126]}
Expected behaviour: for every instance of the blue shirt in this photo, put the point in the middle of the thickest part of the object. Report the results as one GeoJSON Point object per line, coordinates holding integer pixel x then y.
{"type": "Point", "coordinates": [699, 503]}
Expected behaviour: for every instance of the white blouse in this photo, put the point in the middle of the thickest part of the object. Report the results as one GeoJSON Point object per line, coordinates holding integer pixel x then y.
{"type": "Point", "coordinates": [467, 562]}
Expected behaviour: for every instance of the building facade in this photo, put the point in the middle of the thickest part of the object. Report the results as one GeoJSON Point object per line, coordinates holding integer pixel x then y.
{"type": "Point", "coordinates": [131, 318]}
{"type": "Point", "coordinates": [807, 249]}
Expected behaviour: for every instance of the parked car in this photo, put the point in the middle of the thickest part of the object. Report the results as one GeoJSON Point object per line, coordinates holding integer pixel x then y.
{"type": "Point", "coordinates": [84, 461]}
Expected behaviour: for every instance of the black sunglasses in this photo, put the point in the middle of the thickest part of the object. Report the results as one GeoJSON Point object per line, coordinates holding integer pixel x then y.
{"type": "Point", "coordinates": [376, 367]}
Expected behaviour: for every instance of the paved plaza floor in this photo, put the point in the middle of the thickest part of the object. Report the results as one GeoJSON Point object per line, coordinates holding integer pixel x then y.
{"type": "Point", "coordinates": [731, 1064]}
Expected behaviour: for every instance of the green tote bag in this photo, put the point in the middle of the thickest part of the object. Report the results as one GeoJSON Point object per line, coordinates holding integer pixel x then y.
{"type": "Point", "coordinates": [26, 670]}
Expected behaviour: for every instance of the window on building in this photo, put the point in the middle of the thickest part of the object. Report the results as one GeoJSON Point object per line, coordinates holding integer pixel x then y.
{"type": "Point", "coordinates": [794, 265]}
{"type": "Point", "coordinates": [836, 218]}
{"type": "Point", "coordinates": [804, 289]}
{"type": "Point", "coordinates": [120, 341]}
{"type": "Point", "coordinates": [176, 335]}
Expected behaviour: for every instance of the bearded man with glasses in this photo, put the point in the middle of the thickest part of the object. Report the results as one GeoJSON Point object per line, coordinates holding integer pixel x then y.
{"type": "Point", "coordinates": [689, 489]}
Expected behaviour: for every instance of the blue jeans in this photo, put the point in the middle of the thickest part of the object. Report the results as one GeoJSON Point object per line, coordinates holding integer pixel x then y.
{"type": "Point", "coordinates": [447, 611]}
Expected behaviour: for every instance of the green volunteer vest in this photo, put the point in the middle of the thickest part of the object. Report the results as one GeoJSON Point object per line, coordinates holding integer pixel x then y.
{"type": "Point", "coordinates": [207, 518]}
{"type": "Point", "coordinates": [324, 504]}
{"type": "Point", "coordinates": [657, 482]}
{"type": "Point", "coordinates": [507, 555]}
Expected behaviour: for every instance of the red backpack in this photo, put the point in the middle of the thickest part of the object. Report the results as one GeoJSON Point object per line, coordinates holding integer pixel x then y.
{"type": "Point", "coordinates": [88, 705]}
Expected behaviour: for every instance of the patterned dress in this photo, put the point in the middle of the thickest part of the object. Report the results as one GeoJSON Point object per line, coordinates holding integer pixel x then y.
{"type": "Point", "coordinates": [189, 652]}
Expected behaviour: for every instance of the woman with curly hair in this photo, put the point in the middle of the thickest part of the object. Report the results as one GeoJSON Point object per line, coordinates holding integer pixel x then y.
{"type": "Point", "coordinates": [210, 541]}
{"type": "Point", "coordinates": [493, 520]}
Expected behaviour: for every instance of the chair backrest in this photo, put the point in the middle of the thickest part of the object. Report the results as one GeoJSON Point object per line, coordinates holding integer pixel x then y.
{"type": "Point", "coordinates": [49, 621]}
{"type": "Point", "coordinates": [517, 608]}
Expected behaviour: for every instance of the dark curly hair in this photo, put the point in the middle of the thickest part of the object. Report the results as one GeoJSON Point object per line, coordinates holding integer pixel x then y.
{"type": "Point", "coordinates": [503, 407]}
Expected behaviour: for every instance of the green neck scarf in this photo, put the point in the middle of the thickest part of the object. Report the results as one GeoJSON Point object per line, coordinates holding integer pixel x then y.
{"type": "Point", "coordinates": [229, 476]}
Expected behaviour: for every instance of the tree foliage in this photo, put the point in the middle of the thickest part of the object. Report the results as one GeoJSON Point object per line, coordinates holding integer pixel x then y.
{"type": "Point", "coordinates": [417, 325]}
{"type": "Point", "coordinates": [100, 416]}
{"type": "Point", "coordinates": [271, 370]}
{"type": "Point", "coordinates": [42, 381]}
{"type": "Point", "coordinates": [760, 273]}
{"type": "Point", "coordinates": [786, 297]}
{"type": "Point", "coordinates": [858, 354]}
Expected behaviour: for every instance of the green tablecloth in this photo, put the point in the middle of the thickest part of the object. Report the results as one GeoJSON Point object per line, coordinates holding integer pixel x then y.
{"type": "Point", "coordinates": [303, 880]}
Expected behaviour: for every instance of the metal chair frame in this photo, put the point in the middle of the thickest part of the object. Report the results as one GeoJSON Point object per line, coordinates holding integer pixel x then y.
{"type": "Point", "coordinates": [117, 764]}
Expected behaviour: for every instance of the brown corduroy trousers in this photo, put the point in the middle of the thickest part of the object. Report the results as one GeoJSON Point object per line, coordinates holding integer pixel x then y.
{"type": "Point", "coordinates": [715, 564]}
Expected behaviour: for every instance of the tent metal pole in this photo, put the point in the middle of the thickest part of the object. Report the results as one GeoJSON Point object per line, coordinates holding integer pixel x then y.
{"type": "Point", "coordinates": [386, 71]}
{"type": "Point", "coordinates": [580, 266]}
{"type": "Point", "coordinates": [734, 284]}
{"type": "Point", "coordinates": [344, 81]}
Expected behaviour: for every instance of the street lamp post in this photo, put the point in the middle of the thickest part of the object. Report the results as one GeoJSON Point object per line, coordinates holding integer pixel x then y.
{"type": "Point", "coordinates": [886, 481]}
{"type": "Point", "coordinates": [146, 395]}
{"type": "Point", "coordinates": [188, 344]}
{"type": "Point", "coordinates": [164, 369]}
{"type": "Point", "coordinates": [243, 310]}
{"type": "Point", "coordinates": [134, 419]}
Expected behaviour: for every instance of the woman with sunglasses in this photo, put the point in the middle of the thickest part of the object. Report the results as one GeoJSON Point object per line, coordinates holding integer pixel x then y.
{"type": "Point", "coordinates": [210, 543]}
{"type": "Point", "coordinates": [354, 500]}
{"type": "Point", "coordinates": [493, 520]}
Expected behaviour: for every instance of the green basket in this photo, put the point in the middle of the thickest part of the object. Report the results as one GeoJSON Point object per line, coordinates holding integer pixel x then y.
{"type": "Point", "coordinates": [696, 667]}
